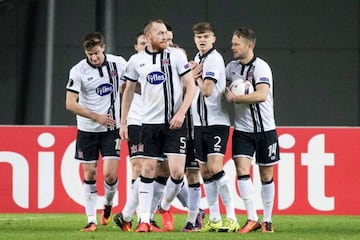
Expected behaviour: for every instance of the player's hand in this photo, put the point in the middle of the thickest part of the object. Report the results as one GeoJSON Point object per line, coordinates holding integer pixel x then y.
{"type": "Point", "coordinates": [229, 96]}
{"type": "Point", "coordinates": [196, 69]}
{"type": "Point", "coordinates": [106, 120]}
{"type": "Point", "coordinates": [177, 121]}
{"type": "Point", "coordinates": [123, 132]}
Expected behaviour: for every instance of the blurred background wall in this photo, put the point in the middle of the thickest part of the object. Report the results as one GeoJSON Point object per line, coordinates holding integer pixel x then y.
{"type": "Point", "coordinates": [312, 47]}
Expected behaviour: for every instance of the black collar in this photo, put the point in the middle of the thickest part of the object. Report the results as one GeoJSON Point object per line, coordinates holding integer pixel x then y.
{"type": "Point", "coordinates": [93, 66]}
{"type": "Point", "coordinates": [152, 53]}
{"type": "Point", "coordinates": [201, 57]}
{"type": "Point", "coordinates": [250, 62]}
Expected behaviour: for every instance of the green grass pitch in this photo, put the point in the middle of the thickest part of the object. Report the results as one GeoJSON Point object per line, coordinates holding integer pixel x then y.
{"type": "Point", "coordinates": [67, 226]}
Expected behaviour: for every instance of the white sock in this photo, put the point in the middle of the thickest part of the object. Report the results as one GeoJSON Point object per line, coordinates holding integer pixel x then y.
{"type": "Point", "coordinates": [171, 190]}
{"type": "Point", "coordinates": [246, 190]}
{"type": "Point", "coordinates": [159, 189]}
{"type": "Point", "coordinates": [183, 195]}
{"type": "Point", "coordinates": [90, 196]}
{"type": "Point", "coordinates": [132, 201]}
{"type": "Point", "coordinates": [194, 194]}
{"type": "Point", "coordinates": [212, 197]}
{"type": "Point", "coordinates": [146, 192]}
{"type": "Point", "coordinates": [267, 196]}
{"type": "Point", "coordinates": [223, 185]}
{"type": "Point", "coordinates": [110, 191]}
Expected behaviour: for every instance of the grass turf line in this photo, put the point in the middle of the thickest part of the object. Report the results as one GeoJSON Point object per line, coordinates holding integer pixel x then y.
{"type": "Point", "coordinates": [67, 226]}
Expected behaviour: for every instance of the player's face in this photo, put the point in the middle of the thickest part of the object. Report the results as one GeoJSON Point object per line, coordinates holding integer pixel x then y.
{"type": "Point", "coordinates": [157, 36]}
{"type": "Point", "coordinates": [169, 38]}
{"type": "Point", "coordinates": [204, 41]}
{"type": "Point", "coordinates": [240, 47]}
{"type": "Point", "coordinates": [140, 44]}
{"type": "Point", "coordinates": [96, 55]}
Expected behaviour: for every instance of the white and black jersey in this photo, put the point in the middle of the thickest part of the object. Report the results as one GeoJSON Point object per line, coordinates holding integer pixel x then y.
{"type": "Point", "coordinates": [159, 73]}
{"type": "Point", "coordinates": [98, 89]}
{"type": "Point", "coordinates": [254, 117]}
{"type": "Point", "coordinates": [211, 110]}
{"type": "Point", "coordinates": [136, 112]}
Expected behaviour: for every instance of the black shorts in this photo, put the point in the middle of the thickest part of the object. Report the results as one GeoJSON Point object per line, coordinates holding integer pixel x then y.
{"type": "Point", "coordinates": [159, 140]}
{"type": "Point", "coordinates": [210, 140]}
{"type": "Point", "coordinates": [135, 147]}
{"type": "Point", "coordinates": [191, 162]}
{"type": "Point", "coordinates": [90, 144]}
{"type": "Point", "coordinates": [264, 145]}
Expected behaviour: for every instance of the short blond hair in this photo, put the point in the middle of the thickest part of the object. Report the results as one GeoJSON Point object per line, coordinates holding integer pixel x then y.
{"type": "Point", "coordinates": [149, 24]}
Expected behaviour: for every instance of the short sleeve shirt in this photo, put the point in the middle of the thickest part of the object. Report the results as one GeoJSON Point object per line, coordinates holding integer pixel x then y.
{"type": "Point", "coordinates": [211, 110]}
{"type": "Point", "coordinates": [98, 89]}
{"type": "Point", "coordinates": [160, 74]}
{"type": "Point", "coordinates": [253, 117]}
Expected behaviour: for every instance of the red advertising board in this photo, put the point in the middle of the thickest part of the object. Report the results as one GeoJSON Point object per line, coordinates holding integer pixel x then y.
{"type": "Point", "coordinates": [317, 173]}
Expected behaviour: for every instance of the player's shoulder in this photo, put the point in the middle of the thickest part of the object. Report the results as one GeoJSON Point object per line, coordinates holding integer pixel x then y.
{"type": "Point", "coordinates": [115, 58]}
{"type": "Point", "coordinates": [233, 63]}
{"type": "Point", "coordinates": [139, 55]}
{"type": "Point", "coordinates": [80, 66]}
{"type": "Point", "coordinates": [260, 62]}
{"type": "Point", "coordinates": [216, 55]}
{"type": "Point", "coordinates": [175, 50]}
{"type": "Point", "coordinates": [172, 49]}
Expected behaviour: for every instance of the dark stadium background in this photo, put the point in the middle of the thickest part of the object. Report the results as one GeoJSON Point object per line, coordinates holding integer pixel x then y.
{"type": "Point", "coordinates": [312, 46]}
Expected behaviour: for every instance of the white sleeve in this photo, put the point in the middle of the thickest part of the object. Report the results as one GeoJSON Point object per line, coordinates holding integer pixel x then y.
{"type": "Point", "coordinates": [182, 63]}
{"type": "Point", "coordinates": [121, 65]}
{"type": "Point", "coordinates": [212, 68]}
{"type": "Point", "coordinates": [74, 83]}
{"type": "Point", "coordinates": [130, 71]}
{"type": "Point", "coordinates": [263, 74]}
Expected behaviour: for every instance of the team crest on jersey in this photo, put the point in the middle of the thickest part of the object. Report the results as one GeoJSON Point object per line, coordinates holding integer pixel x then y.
{"type": "Point", "coordinates": [113, 74]}
{"type": "Point", "coordinates": [155, 77]}
{"type": "Point", "coordinates": [165, 61]}
{"type": "Point", "coordinates": [104, 89]}
{"type": "Point", "coordinates": [80, 154]}
{"type": "Point", "coordinates": [133, 149]}
{"type": "Point", "coordinates": [141, 147]}
{"type": "Point", "coordinates": [250, 75]}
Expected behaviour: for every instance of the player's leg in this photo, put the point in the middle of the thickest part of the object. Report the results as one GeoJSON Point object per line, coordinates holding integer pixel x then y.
{"type": "Point", "coordinates": [217, 137]}
{"type": "Point", "coordinates": [132, 196]}
{"type": "Point", "coordinates": [268, 155]}
{"type": "Point", "coordinates": [162, 176]}
{"type": "Point", "coordinates": [173, 187]}
{"type": "Point", "coordinates": [210, 187]}
{"type": "Point", "coordinates": [90, 195]}
{"type": "Point", "coordinates": [215, 166]}
{"type": "Point", "coordinates": [212, 198]}
{"type": "Point", "coordinates": [110, 150]}
{"type": "Point", "coordinates": [159, 187]}
{"type": "Point", "coordinates": [124, 218]}
{"type": "Point", "coordinates": [87, 153]}
{"type": "Point", "coordinates": [267, 196]}
{"type": "Point", "coordinates": [247, 194]}
{"type": "Point", "coordinates": [175, 150]}
{"type": "Point", "coordinates": [195, 217]}
{"type": "Point", "coordinates": [243, 149]}
{"type": "Point", "coordinates": [110, 187]}
{"type": "Point", "coordinates": [146, 190]}
{"type": "Point", "coordinates": [153, 153]}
